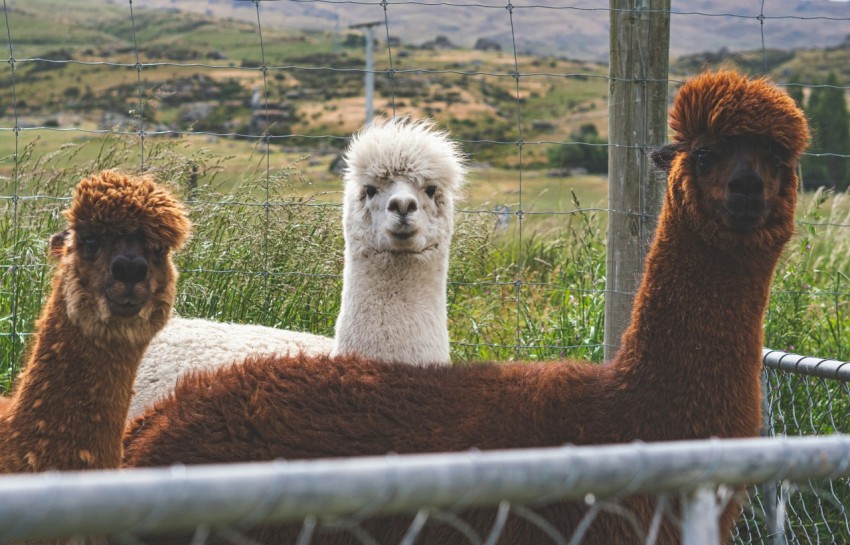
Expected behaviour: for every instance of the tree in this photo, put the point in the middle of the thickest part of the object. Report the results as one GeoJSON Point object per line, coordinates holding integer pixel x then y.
{"type": "Point", "coordinates": [830, 122]}
{"type": "Point", "coordinates": [795, 90]}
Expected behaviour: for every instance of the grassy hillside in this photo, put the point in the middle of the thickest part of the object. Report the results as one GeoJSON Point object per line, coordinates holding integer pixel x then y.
{"type": "Point", "coordinates": [202, 74]}
{"type": "Point", "coordinates": [810, 65]}
{"type": "Point", "coordinates": [576, 29]}
{"type": "Point", "coordinates": [313, 84]}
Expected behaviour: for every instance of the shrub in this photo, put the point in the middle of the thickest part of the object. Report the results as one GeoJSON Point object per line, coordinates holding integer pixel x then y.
{"type": "Point", "coordinates": [588, 150]}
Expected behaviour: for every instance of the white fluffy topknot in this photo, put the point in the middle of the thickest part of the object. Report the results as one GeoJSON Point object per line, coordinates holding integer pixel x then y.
{"type": "Point", "coordinates": [401, 146]}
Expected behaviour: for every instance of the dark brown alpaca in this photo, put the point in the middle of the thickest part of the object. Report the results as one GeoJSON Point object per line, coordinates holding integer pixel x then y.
{"type": "Point", "coordinates": [112, 291]}
{"type": "Point", "coordinates": [688, 366]}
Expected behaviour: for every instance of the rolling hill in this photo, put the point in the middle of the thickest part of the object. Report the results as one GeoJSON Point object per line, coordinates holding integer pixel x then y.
{"type": "Point", "coordinates": [575, 29]}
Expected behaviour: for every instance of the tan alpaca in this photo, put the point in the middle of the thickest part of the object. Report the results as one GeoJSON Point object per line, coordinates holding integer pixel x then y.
{"type": "Point", "coordinates": [113, 289]}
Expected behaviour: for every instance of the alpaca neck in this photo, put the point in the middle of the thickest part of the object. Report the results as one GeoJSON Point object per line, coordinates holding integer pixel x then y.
{"type": "Point", "coordinates": [69, 409]}
{"type": "Point", "coordinates": [394, 308]}
{"type": "Point", "coordinates": [692, 354]}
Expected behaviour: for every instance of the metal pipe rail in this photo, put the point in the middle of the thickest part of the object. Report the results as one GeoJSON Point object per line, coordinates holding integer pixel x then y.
{"type": "Point", "coordinates": [806, 365]}
{"type": "Point", "coordinates": [57, 504]}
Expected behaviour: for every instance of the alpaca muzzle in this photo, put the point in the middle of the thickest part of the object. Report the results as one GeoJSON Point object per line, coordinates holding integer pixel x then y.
{"type": "Point", "coordinates": [745, 203]}
{"type": "Point", "coordinates": [128, 287]}
{"type": "Point", "coordinates": [126, 305]}
{"type": "Point", "coordinates": [404, 232]}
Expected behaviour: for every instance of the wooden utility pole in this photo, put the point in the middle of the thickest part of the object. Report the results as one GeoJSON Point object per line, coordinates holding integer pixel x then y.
{"type": "Point", "coordinates": [370, 66]}
{"type": "Point", "coordinates": [637, 122]}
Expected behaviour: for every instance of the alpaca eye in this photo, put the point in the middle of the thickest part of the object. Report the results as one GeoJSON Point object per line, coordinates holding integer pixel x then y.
{"type": "Point", "coordinates": [705, 159]}
{"type": "Point", "coordinates": [431, 190]}
{"type": "Point", "coordinates": [91, 245]}
{"type": "Point", "coordinates": [159, 252]}
{"type": "Point", "coordinates": [371, 191]}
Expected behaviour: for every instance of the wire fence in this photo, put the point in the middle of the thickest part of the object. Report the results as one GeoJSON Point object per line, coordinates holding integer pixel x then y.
{"type": "Point", "coordinates": [149, 81]}
{"type": "Point", "coordinates": [155, 98]}
{"type": "Point", "coordinates": [153, 77]}
{"type": "Point", "coordinates": [803, 396]}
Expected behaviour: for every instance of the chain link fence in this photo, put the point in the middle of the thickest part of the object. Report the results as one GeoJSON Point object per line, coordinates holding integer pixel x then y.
{"type": "Point", "coordinates": [804, 396]}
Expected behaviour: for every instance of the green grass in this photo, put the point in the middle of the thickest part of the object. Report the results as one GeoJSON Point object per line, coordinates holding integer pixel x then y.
{"type": "Point", "coordinates": [810, 305]}
{"type": "Point", "coordinates": [74, 26]}
{"type": "Point", "coordinates": [280, 264]}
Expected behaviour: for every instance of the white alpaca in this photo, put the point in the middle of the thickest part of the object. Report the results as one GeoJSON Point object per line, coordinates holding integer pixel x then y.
{"type": "Point", "coordinates": [400, 184]}
{"type": "Point", "coordinates": [186, 345]}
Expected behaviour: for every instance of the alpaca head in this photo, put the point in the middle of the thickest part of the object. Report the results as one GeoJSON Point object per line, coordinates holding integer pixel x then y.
{"type": "Point", "coordinates": [400, 185]}
{"type": "Point", "coordinates": [115, 264]}
{"type": "Point", "coordinates": [731, 167]}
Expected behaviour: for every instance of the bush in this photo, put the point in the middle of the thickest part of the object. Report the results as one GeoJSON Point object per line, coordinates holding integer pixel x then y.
{"type": "Point", "coordinates": [588, 150]}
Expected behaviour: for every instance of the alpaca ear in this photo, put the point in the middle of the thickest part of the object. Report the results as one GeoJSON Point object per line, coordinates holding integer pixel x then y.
{"type": "Point", "coordinates": [57, 244]}
{"type": "Point", "coordinates": [663, 156]}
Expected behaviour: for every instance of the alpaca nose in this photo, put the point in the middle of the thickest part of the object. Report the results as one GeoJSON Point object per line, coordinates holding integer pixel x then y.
{"type": "Point", "coordinates": [130, 269]}
{"type": "Point", "coordinates": [746, 184]}
{"type": "Point", "coordinates": [745, 202]}
{"type": "Point", "coordinates": [402, 205]}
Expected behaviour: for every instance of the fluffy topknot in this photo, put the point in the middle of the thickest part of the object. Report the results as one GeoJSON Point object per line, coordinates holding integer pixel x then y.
{"type": "Point", "coordinates": [119, 204]}
{"type": "Point", "coordinates": [725, 103]}
{"type": "Point", "coordinates": [403, 147]}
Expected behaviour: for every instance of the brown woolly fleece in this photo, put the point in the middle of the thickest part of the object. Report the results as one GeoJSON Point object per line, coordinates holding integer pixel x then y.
{"type": "Point", "coordinates": [688, 366]}
{"type": "Point", "coordinates": [725, 103]}
{"type": "Point", "coordinates": [69, 407]}
{"type": "Point", "coordinates": [117, 204]}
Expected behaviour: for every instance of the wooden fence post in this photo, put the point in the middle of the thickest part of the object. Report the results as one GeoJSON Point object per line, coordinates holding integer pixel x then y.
{"type": "Point", "coordinates": [637, 122]}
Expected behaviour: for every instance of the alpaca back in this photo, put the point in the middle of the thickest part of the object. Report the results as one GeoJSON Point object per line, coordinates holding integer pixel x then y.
{"type": "Point", "coordinates": [312, 407]}
{"type": "Point", "coordinates": [309, 408]}
{"type": "Point", "coordinates": [186, 345]}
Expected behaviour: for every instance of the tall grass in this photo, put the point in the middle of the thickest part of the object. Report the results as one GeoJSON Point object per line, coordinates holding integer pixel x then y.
{"type": "Point", "coordinates": [263, 252]}
{"type": "Point", "coordinates": [810, 301]}
{"type": "Point", "coordinates": [539, 296]}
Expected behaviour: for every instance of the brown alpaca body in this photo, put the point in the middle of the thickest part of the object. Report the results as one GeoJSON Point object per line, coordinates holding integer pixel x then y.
{"type": "Point", "coordinates": [112, 291]}
{"type": "Point", "coordinates": [5, 403]}
{"type": "Point", "coordinates": [705, 384]}
{"type": "Point", "coordinates": [90, 403]}
{"type": "Point", "coordinates": [688, 366]}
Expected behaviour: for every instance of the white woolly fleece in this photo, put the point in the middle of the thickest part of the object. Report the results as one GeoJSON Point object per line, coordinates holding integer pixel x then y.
{"type": "Point", "coordinates": [415, 150]}
{"type": "Point", "coordinates": [400, 185]}
{"type": "Point", "coordinates": [186, 345]}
